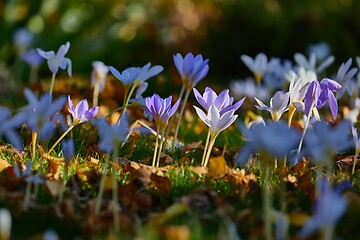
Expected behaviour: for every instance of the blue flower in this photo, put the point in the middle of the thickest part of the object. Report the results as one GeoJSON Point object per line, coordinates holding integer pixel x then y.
{"type": "Point", "coordinates": [191, 69]}
{"type": "Point", "coordinates": [68, 149]}
{"type": "Point", "coordinates": [81, 113]}
{"type": "Point", "coordinates": [8, 127]}
{"type": "Point", "coordinates": [318, 93]}
{"type": "Point", "coordinates": [324, 141]}
{"type": "Point", "coordinates": [32, 57]}
{"type": "Point", "coordinates": [310, 64]}
{"type": "Point", "coordinates": [329, 207]}
{"type": "Point", "coordinates": [259, 65]}
{"type": "Point", "coordinates": [160, 109]}
{"type": "Point", "coordinates": [40, 113]}
{"type": "Point", "coordinates": [136, 75]}
{"type": "Point", "coordinates": [275, 139]}
{"type": "Point", "coordinates": [98, 74]}
{"type": "Point", "coordinates": [346, 77]}
{"type": "Point", "coordinates": [112, 135]}
{"type": "Point", "coordinates": [58, 60]}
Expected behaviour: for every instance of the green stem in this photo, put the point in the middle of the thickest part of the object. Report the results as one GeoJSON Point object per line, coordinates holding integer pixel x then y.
{"type": "Point", "coordinates": [173, 116]}
{"type": "Point", "coordinates": [123, 108]}
{"type": "Point", "coordinates": [115, 194]}
{"type": "Point", "coordinates": [27, 195]}
{"type": "Point", "coordinates": [208, 153]}
{"type": "Point", "coordinates": [34, 139]}
{"type": "Point", "coordinates": [101, 189]}
{"type": "Point", "coordinates": [60, 138]}
{"type": "Point", "coordinates": [161, 146]}
{"type": "Point", "coordinates": [156, 146]}
{"type": "Point", "coordinates": [267, 199]}
{"type": "Point", "coordinates": [96, 94]}
{"type": "Point", "coordinates": [305, 127]}
{"type": "Point", "coordinates": [328, 232]}
{"type": "Point", "coordinates": [355, 160]}
{"type": "Point", "coordinates": [187, 93]}
{"type": "Point", "coordinates": [52, 85]}
{"type": "Point", "coordinates": [206, 148]}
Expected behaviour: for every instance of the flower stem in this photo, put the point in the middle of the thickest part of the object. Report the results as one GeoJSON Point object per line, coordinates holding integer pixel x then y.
{"type": "Point", "coordinates": [52, 85]}
{"type": "Point", "coordinates": [34, 139]}
{"type": "Point", "coordinates": [60, 138]}
{"type": "Point", "coordinates": [156, 146]}
{"type": "Point", "coordinates": [211, 144]}
{"type": "Point", "coordinates": [161, 146]}
{"type": "Point", "coordinates": [205, 148]}
{"type": "Point", "coordinates": [305, 127]}
{"type": "Point", "coordinates": [187, 93]}
{"type": "Point", "coordinates": [115, 198]}
{"type": "Point", "coordinates": [27, 195]}
{"type": "Point", "coordinates": [101, 188]}
{"type": "Point", "coordinates": [96, 94]}
{"type": "Point", "coordinates": [267, 198]}
{"type": "Point", "coordinates": [355, 160]}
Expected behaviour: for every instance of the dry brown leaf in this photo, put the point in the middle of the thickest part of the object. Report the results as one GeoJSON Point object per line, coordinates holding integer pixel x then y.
{"type": "Point", "coordinates": [94, 160]}
{"type": "Point", "coordinates": [192, 146]}
{"type": "Point", "coordinates": [54, 187]}
{"type": "Point", "coordinates": [290, 178]}
{"type": "Point", "coordinates": [4, 165]}
{"type": "Point", "coordinates": [161, 184]}
{"type": "Point", "coordinates": [177, 232]}
{"type": "Point", "coordinates": [217, 167]}
{"type": "Point", "coordinates": [298, 218]}
{"type": "Point", "coordinates": [201, 170]}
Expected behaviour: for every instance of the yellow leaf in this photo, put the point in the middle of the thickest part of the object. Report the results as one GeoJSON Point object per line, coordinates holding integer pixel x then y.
{"type": "Point", "coordinates": [298, 218]}
{"type": "Point", "coordinates": [217, 167]}
{"type": "Point", "coordinates": [4, 165]}
{"type": "Point", "coordinates": [55, 187]}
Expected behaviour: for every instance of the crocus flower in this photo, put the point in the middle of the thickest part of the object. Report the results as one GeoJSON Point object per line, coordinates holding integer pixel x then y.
{"type": "Point", "coordinates": [328, 140]}
{"type": "Point", "coordinates": [259, 65]}
{"type": "Point", "coordinates": [40, 113]}
{"type": "Point", "coordinates": [112, 135]}
{"type": "Point", "coordinates": [275, 139]}
{"type": "Point", "coordinates": [98, 74]}
{"type": "Point", "coordinates": [321, 50]}
{"type": "Point", "coordinates": [329, 207]}
{"type": "Point", "coordinates": [318, 93]}
{"type": "Point", "coordinates": [217, 122]}
{"type": "Point", "coordinates": [191, 69]}
{"type": "Point", "coordinates": [81, 113]}
{"type": "Point", "coordinates": [136, 74]}
{"type": "Point", "coordinates": [223, 102]}
{"type": "Point", "coordinates": [357, 146]}
{"type": "Point", "coordinates": [68, 149]}
{"type": "Point", "coordinates": [58, 60]}
{"type": "Point", "coordinates": [248, 88]}
{"type": "Point", "coordinates": [345, 77]}
{"type": "Point", "coordinates": [310, 64]}
{"type": "Point", "coordinates": [22, 39]}
{"type": "Point", "coordinates": [32, 57]}
{"type": "Point", "coordinates": [8, 127]}
{"type": "Point", "coordinates": [279, 104]}
{"type": "Point", "coordinates": [160, 109]}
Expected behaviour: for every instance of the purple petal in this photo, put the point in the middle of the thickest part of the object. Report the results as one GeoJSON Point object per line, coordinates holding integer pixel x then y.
{"type": "Point", "coordinates": [333, 104]}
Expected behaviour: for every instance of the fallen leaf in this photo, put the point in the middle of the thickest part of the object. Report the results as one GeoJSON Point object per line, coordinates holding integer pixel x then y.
{"type": "Point", "coordinates": [161, 184]}
{"type": "Point", "coordinates": [54, 187]}
{"type": "Point", "coordinates": [3, 165]}
{"type": "Point", "coordinates": [192, 146]}
{"type": "Point", "coordinates": [298, 218]}
{"type": "Point", "coordinates": [217, 167]}
{"type": "Point", "coordinates": [290, 178]}
{"type": "Point", "coordinates": [177, 232]}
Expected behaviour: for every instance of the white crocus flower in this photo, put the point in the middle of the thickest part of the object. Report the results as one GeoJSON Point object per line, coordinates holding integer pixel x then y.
{"type": "Point", "coordinates": [279, 104]}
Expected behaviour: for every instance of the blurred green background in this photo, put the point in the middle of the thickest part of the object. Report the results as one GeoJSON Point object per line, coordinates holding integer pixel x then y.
{"type": "Point", "coordinates": [132, 33]}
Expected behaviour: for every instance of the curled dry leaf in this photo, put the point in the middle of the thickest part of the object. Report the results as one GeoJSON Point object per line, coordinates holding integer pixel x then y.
{"type": "Point", "coordinates": [4, 165]}
{"type": "Point", "coordinates": [217, 167]}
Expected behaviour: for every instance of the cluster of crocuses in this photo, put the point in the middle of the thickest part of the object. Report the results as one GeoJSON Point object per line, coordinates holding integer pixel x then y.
{"type": "Point", "coordinates": [274, 141]}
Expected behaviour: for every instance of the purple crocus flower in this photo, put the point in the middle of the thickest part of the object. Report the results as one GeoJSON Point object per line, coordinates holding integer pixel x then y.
{"type": "Point", "coordinates": [223, 101]}
{"type": "Point", "coordinates": [275, 138]}
{"type": "Point", "coordinates": [318, 93]}
{"type": "Point", "coordinates": [329, 207]}
{"type": "Point", "coordinates": [191, 69]}
{"type": "Point", "coordinates": [32, 57]}
{"type": "Point", "coordinates": [136, 75]}
{"type": "Point", "coordinates": [8, 127]}
{"type": "Point", "coordinates": [160, 109]}
{"type": "Point", "coordinates": [58, 60]}
{"type": "Point", "coordinates": [112, 135]}
{"type": "Point", "coordinates": [68, 149]}
{"type": "Point", "coordinates": [40, 113]}
{"type": "Point", "coordinates": [81, 113]}
{"type": "Point", "coordinates": [98, 74]}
